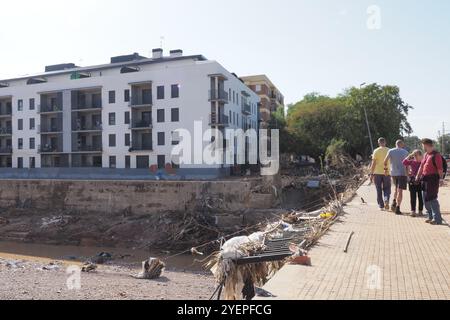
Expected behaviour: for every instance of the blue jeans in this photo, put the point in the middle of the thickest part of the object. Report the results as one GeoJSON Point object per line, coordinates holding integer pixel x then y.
{"type": "Point", "coordinates": [383, 185]}
{"type": "Point", "coordinates": [434, 210]}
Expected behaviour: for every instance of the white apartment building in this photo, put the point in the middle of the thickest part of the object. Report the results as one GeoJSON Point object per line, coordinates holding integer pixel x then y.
{"type": "Point", "coordinates": [119, 115]}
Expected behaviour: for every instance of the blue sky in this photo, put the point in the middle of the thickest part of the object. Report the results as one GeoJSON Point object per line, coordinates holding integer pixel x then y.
{"type": "Point", "coordinates": [302, 45]}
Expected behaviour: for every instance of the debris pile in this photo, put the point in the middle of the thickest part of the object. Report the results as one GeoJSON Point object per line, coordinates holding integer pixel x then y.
{"type": "Point", "coordinates": [151, 269]}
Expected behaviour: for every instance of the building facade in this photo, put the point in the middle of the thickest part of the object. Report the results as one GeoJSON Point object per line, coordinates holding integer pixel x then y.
{"type": "Point", "coordinates": [271, 98]}
{"type": "Point", "coordinates": [119, 115]}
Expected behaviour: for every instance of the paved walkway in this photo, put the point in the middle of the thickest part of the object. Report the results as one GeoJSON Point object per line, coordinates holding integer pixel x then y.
{"type": "Point", "coordinates": [390, 257]}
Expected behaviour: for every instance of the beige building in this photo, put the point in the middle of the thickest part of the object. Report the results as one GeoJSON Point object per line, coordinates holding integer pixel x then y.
{"type": "Point", "coordinates": [271, 98]}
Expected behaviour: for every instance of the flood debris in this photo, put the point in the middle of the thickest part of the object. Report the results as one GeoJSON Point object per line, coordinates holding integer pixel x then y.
{"type": "Point", "coordinates": [89, 267]}
{"type": "Point", "coordinates": [151, 269]}
{"type": "Point", "coordinates": [4, 221]}
{"type": "Point", "coordinates": [101, 258]}
{"type": "Point", "coordinates": [52, 266]}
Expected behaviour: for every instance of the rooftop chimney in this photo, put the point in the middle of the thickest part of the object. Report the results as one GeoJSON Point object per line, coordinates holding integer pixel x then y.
{"type": "Point", "coordinates": [176, 53]}
{"type": "Point", "coordinates": [157, 53]}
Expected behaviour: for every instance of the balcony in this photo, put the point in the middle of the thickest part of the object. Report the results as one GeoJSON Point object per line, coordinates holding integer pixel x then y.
{"type": "Point", "coordinates": [220, 120]}
{"type": "Point", "coordinates": [141, 125]}
{"type": "Point", "coordinates": [218, 95]}
{"type": "Point", "coordinates": [87, 128]}
{"type": "Point", "coordinates": [5, 131]}
{"type": "Point", "coordinates": [246, 108]}
{"type": "Point", "coordinates": [49, 129]}
{"type": "Point", "coordinates": [48, 148]}
{"type": "Point", "coordinates": [87, 108]}
{"type": "Point", "coordinates": [88, 149]}
{"type": "Point", "coordinates": [6, 151]}
{"type": "Point", "coordinates": [49, 109]}
{"type": "Point", "coordinates": [141, 147]}
{"type": "Point", "coordinates": [6, 113]}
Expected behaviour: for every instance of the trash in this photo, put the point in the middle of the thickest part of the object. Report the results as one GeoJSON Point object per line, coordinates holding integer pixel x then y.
{"type": "Point", "coordinates": [89, 267]}
{"type": "Point", "coordinates": [263, 293]}
{"type": "Point", "coordinates": [301, 260]}
{"type": "Point", "coordinates": [51, 266]}
{"type": "Point", "coordinates": [151, 269]}
{"type": "Point", "coordinates": [3, 221]}
{"type": "Point", "coordinates": [101, 258]}
{"type": "Point", "coordinates": [327, 215]}
{"type": "Point", "coordinates": [195, 252]}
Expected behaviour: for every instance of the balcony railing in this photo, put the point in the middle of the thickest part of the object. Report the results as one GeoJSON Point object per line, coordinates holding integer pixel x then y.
{"type": "Point", "coordinates": [141, 125]}
{"type": "Point", "coordinates": [137, 147]}
{"type": "Point", "coordinates": [94, 106]}
{"type": "Point", "coordinates": [6, 112]}
{"type": "Point", "coordinates": [218, 95]}
{"type": "Point", "coordinates": [47, 148]}
{"type": "Point", "coordinates": [6, 150]}
{"type": "Point", "coordinates": [5, 131]}
{"type": "Point", "coordinates": [88, 148]}
{"type": "Point", "coordinates": [92, 127]}
{"type": "Point", "coordinates": [141, 101]}
{"type": "Point", "coordinates": [49, 129]}
{"type": "Point", "coordinates": [219, 120]}
{"type": "Point", "coordinates": [47, 109]}
{"type": "Point", "coordinates": [246, 108]}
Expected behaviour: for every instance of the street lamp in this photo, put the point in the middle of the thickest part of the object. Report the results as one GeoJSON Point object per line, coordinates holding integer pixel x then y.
{"type": "Point", "coordinates": [367, 119]}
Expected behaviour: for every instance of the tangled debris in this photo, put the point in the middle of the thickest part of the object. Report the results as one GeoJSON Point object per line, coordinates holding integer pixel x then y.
{"type": "Point", "coordinates": [151, 269]}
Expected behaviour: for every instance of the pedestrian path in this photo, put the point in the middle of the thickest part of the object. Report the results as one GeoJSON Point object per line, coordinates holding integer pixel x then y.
{"type": "Point", "coordinates": [389, 258]}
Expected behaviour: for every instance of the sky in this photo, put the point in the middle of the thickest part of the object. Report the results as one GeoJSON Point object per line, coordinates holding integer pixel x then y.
{"type": "Point", "coordinates": [302, 45]}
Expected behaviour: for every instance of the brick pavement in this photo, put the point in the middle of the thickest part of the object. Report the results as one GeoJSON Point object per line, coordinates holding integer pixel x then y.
{"type": "Point", "coordinates": [389, 258]}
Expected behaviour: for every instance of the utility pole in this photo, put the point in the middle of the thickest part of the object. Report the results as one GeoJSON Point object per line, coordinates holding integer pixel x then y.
{"type": "Point", "coordinates": [443, 139]}
{"type": "Point", "coordinates": [367, 119]}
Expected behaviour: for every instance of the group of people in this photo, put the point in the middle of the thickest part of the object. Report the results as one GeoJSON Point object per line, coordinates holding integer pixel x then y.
{"type": "Point", "coordinates": [423, 172]}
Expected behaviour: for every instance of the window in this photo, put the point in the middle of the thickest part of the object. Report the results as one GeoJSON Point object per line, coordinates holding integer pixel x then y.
{"type": "Point", "coordinates": [160, 92]}
{"type": "Point", "coordinates": [112, 140]}
{"type": "Point", "coordinates": [112, 119]}
{"type": "Point", "coordinates": [258, 88]}
{"type": "Point", "coordinates": [126, 95]}
{"type": "Point", "coordinates": [160, 115]}
{"type": "Point", "coordinates": [127, 117]}
{"type": "Point", "coordinates": [20, 124]}
{"type": "Point", "coordinates": [112, 97]}
{"type": "Point", "coordinates": [175, 115]}
{"type": "Point", "coordinates": [32, 104]}
{"type": "Point", "coordinates": [20, 105]}
{"type": "Point", "coordinates": [112, 162]}
{"type": "Point", "coordinates": [127, 162]}
{"type": "Point", "coordinates": [161, 138]}
{"type": "Point", "coordinates": [32, 162]}
{"type": "Point", "coordinates": [32, 124]}
{"type": "Point", "coordinates": [161, 162]}
{"type": "Point", "coordinates": [32, 144]}
{"type": "Point", "coordinates": [20, 163]}
{"type": "Point", "coordinates": [20, 143]}
{"type": "Point", "coordinates": [175, 92]}
{"type": "Point", "coordinates": [127, 140]}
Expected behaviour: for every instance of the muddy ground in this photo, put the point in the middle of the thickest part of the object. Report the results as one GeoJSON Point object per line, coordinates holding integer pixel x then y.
{"type": "Point", "coordinates": [31, 279]}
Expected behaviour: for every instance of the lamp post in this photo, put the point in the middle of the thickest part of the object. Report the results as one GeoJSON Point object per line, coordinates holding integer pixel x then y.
{"type": "Point", "coordinates": [367, 119]}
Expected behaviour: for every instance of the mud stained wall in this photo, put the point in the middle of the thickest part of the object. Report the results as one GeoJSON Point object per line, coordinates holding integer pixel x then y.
{"type": "Point", "coordinates": [139, 197]}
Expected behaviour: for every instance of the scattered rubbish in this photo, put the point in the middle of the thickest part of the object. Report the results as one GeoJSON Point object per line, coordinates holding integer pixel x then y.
{"type": "Point", "coordinates": [59, 221]}
{"type": "Point", "coordinates": [151, 269]}
{"type": "Point", "coordinates": [263, 293]}
{"type": "Point", "coordinates": [363, 201]}
{"type": "Point", "coordinates": [327, 215]}
{"type": "Point", "coordinates": [101, 258]}
{"type": "Point", "coordinates": [348, 241]}
{"type": "Point", "coordinates": [89, 267]}
{"type": "Point", "coordinates": [195, 252]}
{"type": "Point", "coordinates": [3, 221]}
{"type": "Point", "coordinates": [301, 260]}
{"type": "Point", "coordinates": [51, 266]}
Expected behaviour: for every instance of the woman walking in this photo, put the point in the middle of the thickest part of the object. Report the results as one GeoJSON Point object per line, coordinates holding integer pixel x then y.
{"type": "Point", "coordinates": [413, 162]}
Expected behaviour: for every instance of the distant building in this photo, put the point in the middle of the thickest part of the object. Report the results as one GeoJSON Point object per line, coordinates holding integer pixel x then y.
{"type": "Point", "coordinates": [271, 98]}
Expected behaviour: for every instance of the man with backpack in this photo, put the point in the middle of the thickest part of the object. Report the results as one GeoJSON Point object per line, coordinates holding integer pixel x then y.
{"type": "Point", "coordinates": [431, 173]}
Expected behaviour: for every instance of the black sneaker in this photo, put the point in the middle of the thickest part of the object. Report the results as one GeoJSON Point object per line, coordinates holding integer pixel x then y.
{"type": "Point", "coordinates": [397, 211]}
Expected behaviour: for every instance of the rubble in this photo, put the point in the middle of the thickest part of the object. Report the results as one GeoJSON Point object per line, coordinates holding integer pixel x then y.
{"type": "Point", "coordinates": [151, 269]}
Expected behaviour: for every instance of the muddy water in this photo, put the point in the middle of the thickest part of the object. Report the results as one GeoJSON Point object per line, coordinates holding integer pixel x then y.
{"type": "Point", "coordinates": [73, 254]}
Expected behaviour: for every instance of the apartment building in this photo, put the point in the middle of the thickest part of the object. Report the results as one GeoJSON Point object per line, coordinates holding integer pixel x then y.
{"type": "Point", "coordinates": [271, 98]}
{"type": "Point", "coordinates": [119, 115]}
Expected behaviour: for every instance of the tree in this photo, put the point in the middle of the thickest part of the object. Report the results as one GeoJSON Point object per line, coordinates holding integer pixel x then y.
{"type": "Point", "coordinates": [318, 120]}
{"type": "Point", "coordinates": [413, 143]}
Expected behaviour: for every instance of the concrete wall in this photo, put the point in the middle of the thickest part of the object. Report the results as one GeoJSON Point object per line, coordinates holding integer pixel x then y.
{"type": "Point", "coordinates": [139, 197]}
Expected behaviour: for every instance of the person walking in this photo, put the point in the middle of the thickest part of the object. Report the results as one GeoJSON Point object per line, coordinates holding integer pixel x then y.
{"type": "Point", "coordinates": [398, 172]}
{"type": "Point", "coordinates": [431, 173]}
{"type": "Point", "coordinates": [413, 162]}
{"type": "Point", "coordinates": [379, 177]}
